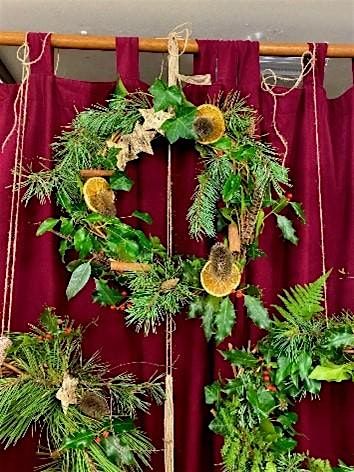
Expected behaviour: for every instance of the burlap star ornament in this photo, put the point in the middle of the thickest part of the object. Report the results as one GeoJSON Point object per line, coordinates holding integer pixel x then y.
{"type": "Point", "coordinates": [67, 392]}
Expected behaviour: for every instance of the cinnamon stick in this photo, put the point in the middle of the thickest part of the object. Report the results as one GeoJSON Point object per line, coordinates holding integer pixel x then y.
{"type": "Point", "coordinates": [234, 238]}
{"type": "Point", "coordinates": [120, 266]}
{"type": "Point", "coordinates": [87, 173]}
{"type": "Point", "coordinates": [12, 368]}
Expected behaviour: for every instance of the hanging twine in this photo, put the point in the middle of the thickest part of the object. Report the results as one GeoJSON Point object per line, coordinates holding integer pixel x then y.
{"type": "Point", "coordinates": [18, 128]}
{"type": "Point", "coordinates": [269, 83]}
{"type": "Point", "coordinates": [319, 179]}
{"type": "Point", "coordinates": [174, 78]}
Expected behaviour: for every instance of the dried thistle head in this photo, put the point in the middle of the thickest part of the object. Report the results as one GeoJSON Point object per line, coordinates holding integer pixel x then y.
{"type": "Point", "coordinates": [93, 405]}
{"type": "Point", "coordinates": [221, 261]}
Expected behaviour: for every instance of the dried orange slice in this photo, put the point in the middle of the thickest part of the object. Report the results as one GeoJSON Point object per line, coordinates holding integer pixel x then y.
{"type": "Point", "coordinates": [219, 286]}
{"type": "Point", "coordinates": [98, 196]}
{"type": "Point", "coordinates": [209, 124]}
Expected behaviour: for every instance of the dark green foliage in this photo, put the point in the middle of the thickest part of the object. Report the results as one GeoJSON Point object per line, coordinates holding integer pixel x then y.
{"type": "Point", "coordinates": [251, 410]}
{"type": "Point", "coordinates": [43, 356]}
{"type": "Point", "coordinates": [155, 293]}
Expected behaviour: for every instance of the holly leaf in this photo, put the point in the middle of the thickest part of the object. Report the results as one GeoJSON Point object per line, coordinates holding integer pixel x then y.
{"type": "Point", "coordinates": [142, 216]}
{"type": "Point", "coordinates": [181, 126]}
{"type": "Point", "coordinates": [287, 229]}
{"type": "Point", "coordinates": [78, 279]}
{"type": "Point", "coordinates": [195, 308]}
{"type": "Point", "coordinates": [165, 96]}
{"type": "Point", "coordinates": [288, 419]}
{"type": "Point", "coordinates": [299, 211]}
{"type": "Point", "coordinates": [105, 295]}
{"type": "Point", "coordinates": [212, 393]}
{"type": "Point", "coordinates": [122, 426]}
{"type": "Point", "coordinates": [120, 181]}
{"type": "Point", "coordinates": [224, 143]}
{"type": "Point", "coordinates": [46, 225]}
{"type": "Point", "coordinates": [79, 440]}
{"type": "Point", "coordinates": [240, 358]}
{"type": "Point", "coordinates": [49, 321]}
{"type": "Point", "coordinates": [256, 311]}
{"type": "Point", "coordinates": [224, 320]}
{"type": "Point", "coordinates": [211, 307]}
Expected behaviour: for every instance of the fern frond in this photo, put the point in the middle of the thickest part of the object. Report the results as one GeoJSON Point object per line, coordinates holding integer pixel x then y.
{"type": "Point", "coordinates": [303, 302]}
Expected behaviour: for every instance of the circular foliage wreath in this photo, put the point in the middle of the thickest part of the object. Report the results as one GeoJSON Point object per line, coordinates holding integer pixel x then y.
{"type": "Point", "coordinates": [86, 419]}
{"type": "Point", "coordinates": [242, 184]}
{"type": "Point", "coordinates": [251, 410]}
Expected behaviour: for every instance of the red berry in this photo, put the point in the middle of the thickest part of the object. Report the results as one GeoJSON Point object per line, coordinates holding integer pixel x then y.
{"type": "Point", "coordinates": [112, 307]}
{"type": "Point", "coordinates": [124, 293]}
{"type": "Point", "coordinates": [272, 388]}
{"type": "Point", "coordinates": [289, 196]}
{"type": "Point", "coordinates": [239, 294]}
{"type": "Point", "coordinates": [129, 305]}
{"type": "Point", "coordinates": [105, 434]}
{"type": "Point", "coordinates": [97, 440]}
{"type": "Point", "coordinates": [67, 330]}
{"type": "Point", "coordinates": [266, 377]}
{"type": "Point", "coordinates": [48, 336]}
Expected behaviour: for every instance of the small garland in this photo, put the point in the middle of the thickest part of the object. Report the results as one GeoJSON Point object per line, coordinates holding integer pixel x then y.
{"type": "Point", "coordinates": [251, 410]}
{"type": "Point", "coordinates": [86, 418]}
{"type": "Point", "coordinates": [242, 184]}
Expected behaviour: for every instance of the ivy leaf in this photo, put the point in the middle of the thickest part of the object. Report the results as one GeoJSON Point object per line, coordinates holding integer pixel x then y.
{"type": "Point", "coordinates": [224, 320]}
{"type": "Point", "coordinates": [181, 126]}
{"type": "Point", "coordinates": [256, 311]}
{"type": "Point", "coordinates": [304, 362]}
{"type": "Point", "coordinates": [231, 187]}
{"type": "Point", "coordinates": [331, 372]}
{"type": "Point", "coordinates": [142, 216]}
{"type": "Point", "coordinates": [283, 369]}
{"type": "Point", "coordinates": [120, 181]}
{"type": "Point", "coordinates": [283, 445]}
{"type": "Point", "coordinates": [106, 295]}
{"type": "Point", "coordinates": [78, 279]}
{"type": "Point", "coordinates": [79, 440]}
{"type": "Point", "coordinates": [240, 358]}
{"type": "Point", "coordinates": [165, 96]}
{"type": "Point", "coordinates": [287, 229]}
{"type": "Point", "coordinates": [212, 393]}
{"type": "Point", "coordinates": [299, 211]}
{"type": "Point", "coordinates": [46, 225]}
{"type": "Point", "coordinates": [82, 242]}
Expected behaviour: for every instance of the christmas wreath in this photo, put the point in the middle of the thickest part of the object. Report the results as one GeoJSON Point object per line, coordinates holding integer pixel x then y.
{"type": "Point", "coordinates": [85, 418]}
{"type": "Point", "coordinates": [242, 185]}
{"type": "Point", "coordinates": [252, 410]}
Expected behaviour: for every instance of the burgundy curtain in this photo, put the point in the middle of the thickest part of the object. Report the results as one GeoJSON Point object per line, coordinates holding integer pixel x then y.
{"type": "Point", "coordinates": [327, 425]}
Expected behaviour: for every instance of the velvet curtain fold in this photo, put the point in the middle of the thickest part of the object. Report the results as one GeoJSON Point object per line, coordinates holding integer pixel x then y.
{"type": "Point", "coordinates": [326, 425]}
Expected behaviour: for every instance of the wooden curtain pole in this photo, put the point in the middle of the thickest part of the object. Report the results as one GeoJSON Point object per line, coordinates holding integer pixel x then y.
{"type": "Point", "coordinates": [77, 41]}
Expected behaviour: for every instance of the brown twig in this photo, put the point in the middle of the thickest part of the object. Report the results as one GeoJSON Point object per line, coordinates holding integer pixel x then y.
{"type": "Point", "coordinates": [12, 368]}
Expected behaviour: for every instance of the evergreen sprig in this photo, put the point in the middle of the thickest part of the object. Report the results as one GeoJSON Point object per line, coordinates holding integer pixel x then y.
{"type": "Point", "coordinates": [98, 437]}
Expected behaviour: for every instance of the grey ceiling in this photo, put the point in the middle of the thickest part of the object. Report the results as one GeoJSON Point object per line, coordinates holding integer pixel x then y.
{"type": "Point", "coordinates": [271, 20]}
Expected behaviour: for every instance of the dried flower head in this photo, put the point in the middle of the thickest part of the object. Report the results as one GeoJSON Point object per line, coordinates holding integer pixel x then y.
{"type": "Point", "coordinates": [93, 405]}
{"type": "Point", "coordinates": [209, 124]}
